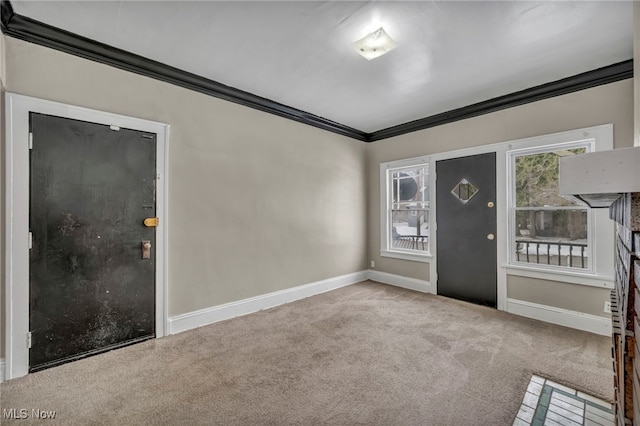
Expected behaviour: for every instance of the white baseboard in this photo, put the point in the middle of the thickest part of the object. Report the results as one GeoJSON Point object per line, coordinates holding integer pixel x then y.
{"type": "Point", "coordinates": [190, 320]}
{"type": "Point", "coordinates": [400, 281]}
{"type": "Point", "coordinates": [2, 367]}
{"type": "Point", "coordinates": [202, 317]}
{"type": "Point", "coordinates": [565, 317]}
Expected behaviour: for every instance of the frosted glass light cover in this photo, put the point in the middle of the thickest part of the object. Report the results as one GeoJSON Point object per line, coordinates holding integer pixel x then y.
{"type": "Point", "coordinates": [374, 44]}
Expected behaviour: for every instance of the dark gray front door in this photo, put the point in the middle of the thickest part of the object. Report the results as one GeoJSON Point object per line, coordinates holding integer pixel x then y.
{"type": "Point", "coordinates": [91, 189]}
{"type": "Point", "coordinates": [466, 227]}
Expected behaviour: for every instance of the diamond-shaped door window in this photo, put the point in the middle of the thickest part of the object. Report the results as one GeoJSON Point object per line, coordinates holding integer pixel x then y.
{"type": "Point", "coordinates": [464, 191]}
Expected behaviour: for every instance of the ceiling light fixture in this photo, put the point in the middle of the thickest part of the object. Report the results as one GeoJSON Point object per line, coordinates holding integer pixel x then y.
{"type": "Point", "coordinates": [375, 44]}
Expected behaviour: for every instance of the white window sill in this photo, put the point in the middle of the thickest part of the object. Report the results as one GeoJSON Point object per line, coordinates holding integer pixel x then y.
{"type": "Point", "coordinates": [424, 258]}
{"type": "Point", "coordinates": [590, 280]}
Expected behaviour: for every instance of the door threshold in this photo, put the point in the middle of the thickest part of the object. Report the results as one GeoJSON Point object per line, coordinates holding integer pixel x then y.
{"type": "Point", "coordinates": [89, 353]}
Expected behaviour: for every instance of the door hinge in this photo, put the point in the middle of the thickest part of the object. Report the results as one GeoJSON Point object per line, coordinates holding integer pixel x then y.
{"type": "Point", "coordinates": [30, 140]}
{"type": "Point", "coordinates": [29, 340]}
{"type": "Point", "coordinates": [114, 127]}
{"type": "Point", "coordinates": [30, 240]}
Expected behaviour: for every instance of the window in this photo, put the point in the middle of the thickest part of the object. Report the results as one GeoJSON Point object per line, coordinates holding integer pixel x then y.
{"type": "Point", "coordinates": [406, 209]}
{"type": "Point", "coordinates": [547, 230]}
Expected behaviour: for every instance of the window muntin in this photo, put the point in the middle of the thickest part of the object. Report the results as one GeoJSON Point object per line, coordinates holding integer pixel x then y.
{"type": "Point", "coordinates": [408, 209]}
{"type": "Point", "coordinates": [547, 230]}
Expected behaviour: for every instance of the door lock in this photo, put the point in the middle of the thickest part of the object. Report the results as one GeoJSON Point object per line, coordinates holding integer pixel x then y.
{"type": "Point", "coordinates": [146, 249]}
{"type": "Point", "coordinates": [151, 222]}
{"type": "Point", "coordinates": [490, 237]}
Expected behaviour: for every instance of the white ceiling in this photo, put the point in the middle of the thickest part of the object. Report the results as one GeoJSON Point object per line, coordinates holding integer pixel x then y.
{"type": "Point", "coordinates": [450, 54]}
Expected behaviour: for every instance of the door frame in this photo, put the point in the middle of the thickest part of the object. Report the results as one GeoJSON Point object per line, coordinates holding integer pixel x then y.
{"type": "Point", "coordinates": [17, 109]}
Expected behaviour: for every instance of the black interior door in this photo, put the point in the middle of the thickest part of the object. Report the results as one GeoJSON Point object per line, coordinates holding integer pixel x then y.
{"type": "Point", "coordinates": [466, 228]}
{"type": "Point", "coordinates": [91, 188]}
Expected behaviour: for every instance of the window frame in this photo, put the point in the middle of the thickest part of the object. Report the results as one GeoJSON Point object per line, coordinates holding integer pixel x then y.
{"type": "Point", "coordinates": [386, 182]}
{"type": "Point", "coordinates": [513, 154]}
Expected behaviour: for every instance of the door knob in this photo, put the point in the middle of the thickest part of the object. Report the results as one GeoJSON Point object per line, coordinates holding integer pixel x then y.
{"type": "Point", "coordinates": [490, 237]}
{"type": "Point", "coordinates": [146, 249]}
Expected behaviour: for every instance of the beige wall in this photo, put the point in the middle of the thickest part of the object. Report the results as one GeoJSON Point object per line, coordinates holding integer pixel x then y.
{"type": "Point", "coordinates": [573, 297]}
{"type": "Point", "coordinates": [3, 67]}
{"type": "Point", "coordinates": [636, 69]}
{"type": "Point", "coordinates": [311, 206]}
{"type": "Point", "coordinates": [257, 203]}
{"type": "Point", "coordinates": [612, 103]}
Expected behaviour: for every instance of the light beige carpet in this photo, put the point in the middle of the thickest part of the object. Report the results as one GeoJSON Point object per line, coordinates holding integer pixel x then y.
{"type": "Point", "coordinates": [367, 354]}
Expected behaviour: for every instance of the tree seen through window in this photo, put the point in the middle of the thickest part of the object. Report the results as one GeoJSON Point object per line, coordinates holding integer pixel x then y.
{"type": "Point", "coordinates": [549, 228]}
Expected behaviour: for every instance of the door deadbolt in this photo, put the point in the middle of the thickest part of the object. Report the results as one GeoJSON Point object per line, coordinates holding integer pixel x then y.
{"type": "Point", "coordinates": [490, 204]}
{"type": "Point", "coordinates": [490, 237]}
{"type": "Point", "coordinates": [146, 249]}
{"type": "Point", "coordinates": [151, 222]}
